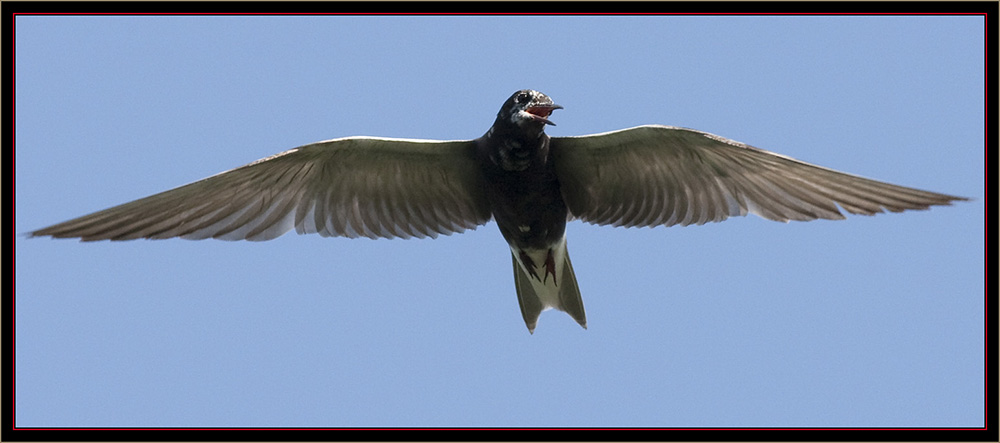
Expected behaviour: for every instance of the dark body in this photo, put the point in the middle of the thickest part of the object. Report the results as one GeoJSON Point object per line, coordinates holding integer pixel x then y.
{"type": "Point", "coordinates": [522, 188]}
{"type": "Point", "coordinates": [526, 200]}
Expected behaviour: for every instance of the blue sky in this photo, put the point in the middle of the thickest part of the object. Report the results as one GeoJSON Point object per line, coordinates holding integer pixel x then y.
{"type": "Point", "coordinates": [871, 321]}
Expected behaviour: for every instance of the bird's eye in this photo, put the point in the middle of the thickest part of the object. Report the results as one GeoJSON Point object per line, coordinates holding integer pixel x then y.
{"type": "Point", "coordinates": [522, 99]}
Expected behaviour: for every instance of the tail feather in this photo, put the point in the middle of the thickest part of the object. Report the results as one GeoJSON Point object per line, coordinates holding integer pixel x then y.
{"type": "Point", "coordinates": [535, 296]}
{"type": "Point", "coordinates": [569, 295]}
{"type": "Point", "coordinates": [531, 306]}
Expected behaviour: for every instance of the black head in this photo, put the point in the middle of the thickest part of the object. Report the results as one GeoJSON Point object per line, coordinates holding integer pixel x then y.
{"type": "Point", "coordinates": [527, 109]}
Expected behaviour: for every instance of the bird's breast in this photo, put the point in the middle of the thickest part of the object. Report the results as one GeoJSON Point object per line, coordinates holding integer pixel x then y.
{"type": "Point", "coordinates": [514, 156]}
{"type": "Point", "coordinates": [525, 197]}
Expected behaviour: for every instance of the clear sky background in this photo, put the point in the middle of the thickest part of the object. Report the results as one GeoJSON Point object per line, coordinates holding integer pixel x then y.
{"type": "Point", "coordinates": [871, 321]}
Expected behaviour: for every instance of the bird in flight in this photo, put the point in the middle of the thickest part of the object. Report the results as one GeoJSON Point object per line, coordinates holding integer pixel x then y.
{"type": "Point", "coordinates": [530, 183]}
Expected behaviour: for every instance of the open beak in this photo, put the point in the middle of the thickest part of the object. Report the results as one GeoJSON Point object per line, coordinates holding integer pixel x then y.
{"type": "Point", "coordinates": [541, 112]}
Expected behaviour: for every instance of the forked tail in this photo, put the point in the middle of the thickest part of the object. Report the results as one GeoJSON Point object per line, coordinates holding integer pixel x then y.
{"type": "Point", "coordinates": [538, 288]}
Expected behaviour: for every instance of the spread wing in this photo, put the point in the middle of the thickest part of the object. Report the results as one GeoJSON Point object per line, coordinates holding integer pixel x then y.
{"type": "Point", "coordinates": [352, 187]}
{"type": "Point", "coordinates": [662, 175]}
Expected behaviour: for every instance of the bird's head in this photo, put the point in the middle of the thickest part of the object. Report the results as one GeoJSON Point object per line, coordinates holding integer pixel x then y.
{"type": "Point", "coordinates": [527, 109]}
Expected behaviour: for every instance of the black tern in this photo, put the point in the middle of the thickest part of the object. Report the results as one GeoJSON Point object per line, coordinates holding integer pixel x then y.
{"type": "Point", "coordinates": [530, 183]}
